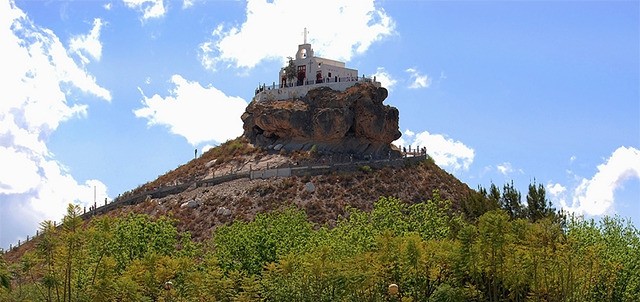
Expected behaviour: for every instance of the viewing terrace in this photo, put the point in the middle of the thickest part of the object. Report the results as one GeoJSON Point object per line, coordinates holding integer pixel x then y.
{"type": "Point", "coordinates": [283, 91]}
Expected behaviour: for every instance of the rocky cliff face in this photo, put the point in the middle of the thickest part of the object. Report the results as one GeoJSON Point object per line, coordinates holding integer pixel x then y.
{"type": "Point", "coordinates": [351, 122]}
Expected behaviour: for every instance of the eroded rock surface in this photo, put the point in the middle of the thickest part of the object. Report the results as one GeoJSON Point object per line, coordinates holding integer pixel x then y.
{"type": "Point", "coordinates": [351, 122]}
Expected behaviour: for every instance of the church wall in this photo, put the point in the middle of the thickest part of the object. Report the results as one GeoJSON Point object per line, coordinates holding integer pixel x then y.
{"type": "Point", "coordinates": [273, 93]}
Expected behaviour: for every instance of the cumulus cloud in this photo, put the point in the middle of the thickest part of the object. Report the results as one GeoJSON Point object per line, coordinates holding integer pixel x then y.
{"type": "Point", "coordinates": [199, 114]}
{"type": "Point", "coordinates": [351, 29]}
{"type": "Point", "coordinates": [595, 196]}
{"type": "Point", "coordinates": [88, 44]}
{"type": "Point", "coordinates": [452, 155]}
{"type": "Point", "coordinates": [505, 168]}
{"type": "Point", "coordinates": [385, 78]}
{"type": "Point", "coordinates": [556, 189]}
{"type": "Point", "coordinates": [206, 148]}
{"type": "Point", "coordinates": [149, 8]}
{"type": "Point", "coordinates": [187, 3]}
{"type": "Point", "coordinates": [418, 80]}
{"type": "Point", "coordinates": [39, 70]}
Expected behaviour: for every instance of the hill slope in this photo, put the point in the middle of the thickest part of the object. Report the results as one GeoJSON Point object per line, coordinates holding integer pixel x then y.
{"type": "Point", "coordinates": [323, 197]}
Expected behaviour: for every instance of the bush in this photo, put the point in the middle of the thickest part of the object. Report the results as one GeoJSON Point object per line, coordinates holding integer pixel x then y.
{"type": "Point", "coordinates": [365, 168]}
{"type": "Point", "coordinates": [446, 293]}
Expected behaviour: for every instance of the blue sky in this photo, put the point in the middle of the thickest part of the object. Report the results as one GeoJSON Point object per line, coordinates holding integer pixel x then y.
{"type": "Point", "coordinates": [107, 95]}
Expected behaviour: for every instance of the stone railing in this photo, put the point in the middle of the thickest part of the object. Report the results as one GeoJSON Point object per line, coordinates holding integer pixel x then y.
{"type": "Point", "coordinates": [284, 91]}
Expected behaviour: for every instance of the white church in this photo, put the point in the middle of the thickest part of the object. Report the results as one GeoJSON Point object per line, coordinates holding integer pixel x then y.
{"type": "Point", "coordinates": [310, 72]}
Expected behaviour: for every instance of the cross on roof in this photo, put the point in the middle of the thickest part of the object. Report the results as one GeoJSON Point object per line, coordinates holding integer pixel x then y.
{"type": "Point", "coordinates": [305, 35]}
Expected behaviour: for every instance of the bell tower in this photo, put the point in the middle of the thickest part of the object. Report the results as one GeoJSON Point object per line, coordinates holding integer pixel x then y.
{"type": "Point", "coordinates": [304, 50]}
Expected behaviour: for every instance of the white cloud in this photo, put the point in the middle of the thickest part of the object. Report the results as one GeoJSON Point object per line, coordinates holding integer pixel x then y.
{"type": "Point", "coordinates": [107, 6]}
{"type": "Point", "coordinates": [401, 142]}
{"type": "Point", "coordinates": [505, 168]}
{"type": "Point", "coordinates": [88, 44]}
{"type": "Point", "coordinates": [197, 113]}
{"type": "Point", "coordinates": [556, 189]}
{"type": "Point", "coordinates": [450, 154]}
{"type": "Point", "coordinates": [572, 158]}
{"type": "Point", "coordinates": [39, 70]}
{"type": "Point", "coordinates": [207, 60]}
{"type": "Point", "coordinates": [595, 196]}
{"type": "Point", "coordinates": [417, 79]}
{"type": "Point", "coordinates": [385, 78]}
{"type": "Point", "coordinates": [338, 29]}
{"type": "Point", "coordinates": [187, 3]}
{"type": "Point", "coordinates": [149, 8]}
{"type": "Point", "coordinates": [14, 181]}
{"type": "Point", "coordinates": [206, 148]}
{"type": "Point", "coordinates": [405, 140]}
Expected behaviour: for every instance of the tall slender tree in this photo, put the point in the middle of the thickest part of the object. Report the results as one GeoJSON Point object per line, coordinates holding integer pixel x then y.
{"type": "Point", "coordinates": [494, 194]}
{"type": "Point", "coordinates": [70, 225]}
{"type": "Point", "coordinates": [511, 201]}
{"type": "Point", "coordinates": [538, 206]}
{"type": "Point", "coordinates": [46, 248]}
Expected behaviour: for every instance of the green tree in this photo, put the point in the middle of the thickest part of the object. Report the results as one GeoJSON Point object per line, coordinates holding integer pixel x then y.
{"type": "Point", "coordinates": [490, 250]}
{"type": "Point", "coordinates": [494, 195]}
{"type": "Point", "coordinates": [618, 245]}
{"type": "Point", "coordinates": [46, 247]}
{"type": "Point", "coordinates": [137, 235]}
{"type": "Point", "coordinates": [5, 277]}
{"type": "Point", "coordinates": [432, 219]}
{"type": "Point", "coordinates": [290, 71]}
{"type": "Point", "coordinates": [99, 239]}
{"type": "Point", "coordinates": [72, 239]}
{"type": "Point", "coordinates": [511, 201]}
{"type": "Point", "coordinates": [538, 206]}
{"type": "Point", "coordinates": [425, 248]}
{"type": "Point", "coordinates": [479, 202]}
{"type": "Point", "coordinates": [249, 246]}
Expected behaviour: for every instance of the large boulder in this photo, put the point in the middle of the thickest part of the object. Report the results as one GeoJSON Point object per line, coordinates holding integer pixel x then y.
{"type": "Point", "coordinates": [351, 122]}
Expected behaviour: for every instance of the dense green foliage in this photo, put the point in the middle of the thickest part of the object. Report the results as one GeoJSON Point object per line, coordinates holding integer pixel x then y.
{"type": "Point", "coordinates": [497, 250]}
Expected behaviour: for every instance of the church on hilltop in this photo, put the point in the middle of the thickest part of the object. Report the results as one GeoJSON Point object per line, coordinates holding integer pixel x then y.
{"type": "Point", "coordinates": [306, 72]}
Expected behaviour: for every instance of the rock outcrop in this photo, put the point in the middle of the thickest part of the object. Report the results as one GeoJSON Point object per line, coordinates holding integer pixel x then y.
{"type": "Point", "coordinates": [351, 122]}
